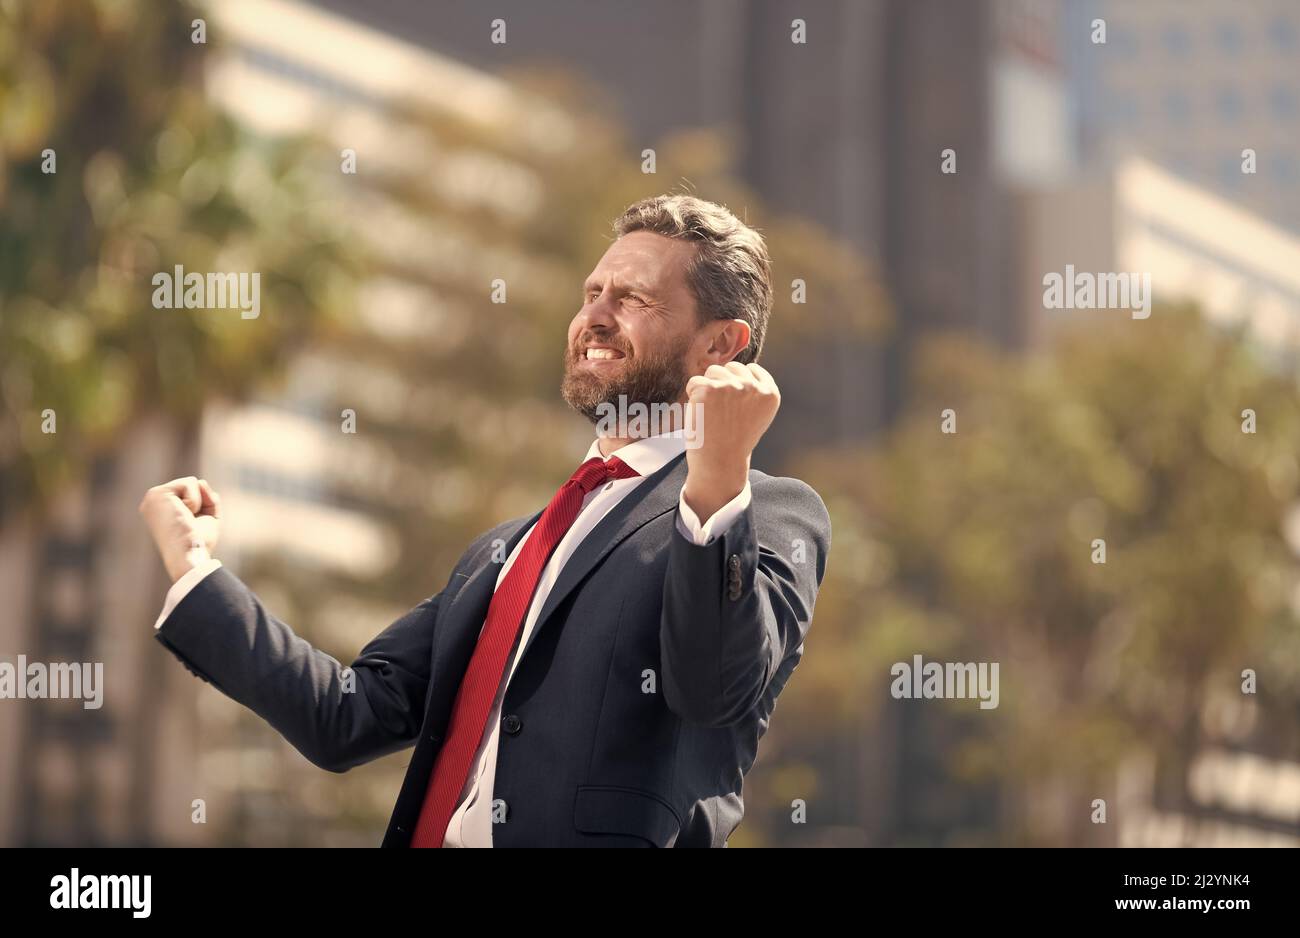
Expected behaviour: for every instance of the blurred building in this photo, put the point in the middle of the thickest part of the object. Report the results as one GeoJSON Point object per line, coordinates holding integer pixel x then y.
{"type": "Point", "coordinates": [1191, 84]}
{"type": "Point", "coordinates": [848, 129]}
{"type": "Point", "coordinates": [327, 506]}
{"type": "Point", "coordinates": [1240, 794]}
{"type": "Point", "coordinates": [80, 587]}
{"type": "Point", "coordinates": [1196, 245]}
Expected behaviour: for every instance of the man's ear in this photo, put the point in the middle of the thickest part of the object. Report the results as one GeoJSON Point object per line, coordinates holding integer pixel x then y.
{"type": "Point", "coordinates": [729, 340]}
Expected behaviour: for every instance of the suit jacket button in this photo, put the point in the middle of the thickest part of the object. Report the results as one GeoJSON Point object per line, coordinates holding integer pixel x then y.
{"type": "Point", "coordinates": [733, 578]}
{"type": "Point", "coordinates": [512, 724]}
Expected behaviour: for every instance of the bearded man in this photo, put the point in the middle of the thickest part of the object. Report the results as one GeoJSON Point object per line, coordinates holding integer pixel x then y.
{"type": "Point", "coordinates": [604, 679]}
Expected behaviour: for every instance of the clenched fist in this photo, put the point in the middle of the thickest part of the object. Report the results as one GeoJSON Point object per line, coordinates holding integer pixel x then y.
{"type": "Point", "coordinates": [184, 517]}
{"type": "Point", "coordinates": [738, 402]}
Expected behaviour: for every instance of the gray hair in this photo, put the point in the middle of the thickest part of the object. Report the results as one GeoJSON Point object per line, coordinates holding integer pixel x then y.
{"type": "Point", "coordinates": [731, 273]}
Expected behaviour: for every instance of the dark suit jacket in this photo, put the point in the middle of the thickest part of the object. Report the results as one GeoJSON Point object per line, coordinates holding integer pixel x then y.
{"type": "Point", "coordinates": [636, 708]}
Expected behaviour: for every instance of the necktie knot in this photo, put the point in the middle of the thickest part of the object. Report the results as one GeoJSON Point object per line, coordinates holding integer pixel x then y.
{"type": "Point", "coordinates": [596, 471]}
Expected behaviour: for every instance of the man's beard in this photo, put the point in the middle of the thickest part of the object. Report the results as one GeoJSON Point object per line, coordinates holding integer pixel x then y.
{"type": "Point", "coordinates": [649, 379]}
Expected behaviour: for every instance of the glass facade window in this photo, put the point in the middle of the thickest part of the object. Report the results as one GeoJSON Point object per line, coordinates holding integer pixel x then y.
{"type": "Point", "coordinates": [1282, 101]}
{"type": "Point", "coordinates": [1123, 42]}
{"type": "Point", "coordinates": [1122, 107]}
{"type": "Point", "coordinates": [1227, 36]}
{"type": "Point", "coordinates": [1177, 40]}
{"type": "Point", "coordinates": [1178, 106]}
{"type": "Point", "coordinates": [1282, 32]}
{"type": "Point", "coordinates": [1229, 104]}
{"type": "Point", "coordinates": [1230, 171]}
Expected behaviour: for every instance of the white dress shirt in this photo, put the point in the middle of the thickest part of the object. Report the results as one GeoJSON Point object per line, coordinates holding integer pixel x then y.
{"type": "Point", "coordinates": [471, 824]}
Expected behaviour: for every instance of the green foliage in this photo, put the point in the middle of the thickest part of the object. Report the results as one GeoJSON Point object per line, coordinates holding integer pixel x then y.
{"type": "Point", "coordinates": [148, 176]}
{"type": "Point", "coordinates": [978, 546]}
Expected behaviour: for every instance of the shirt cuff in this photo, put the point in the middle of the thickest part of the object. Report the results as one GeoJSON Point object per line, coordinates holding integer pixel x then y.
{"type": "Point", "coordinates": [181, 588]}
{"type": "Point", "coordinates": [688, 523]}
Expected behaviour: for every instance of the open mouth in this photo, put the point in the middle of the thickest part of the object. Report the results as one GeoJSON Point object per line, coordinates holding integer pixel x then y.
{"type": "Point", "coordinates": [601, 354]}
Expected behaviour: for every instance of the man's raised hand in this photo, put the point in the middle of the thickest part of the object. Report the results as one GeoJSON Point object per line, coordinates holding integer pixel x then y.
{"type": "Point", "coordinates": [738, 402]}
{"type": "Point", "coordinates": [184, 518]}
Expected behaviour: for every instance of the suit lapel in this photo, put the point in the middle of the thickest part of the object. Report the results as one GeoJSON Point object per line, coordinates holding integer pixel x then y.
{"type": "Point", "coordinates": [658, 494]}
{"type": "Point", "coordinates": [454, 642]}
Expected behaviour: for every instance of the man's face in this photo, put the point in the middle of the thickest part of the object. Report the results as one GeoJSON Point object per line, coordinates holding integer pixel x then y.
{"type": "Point", "coordinates": [638, 332]}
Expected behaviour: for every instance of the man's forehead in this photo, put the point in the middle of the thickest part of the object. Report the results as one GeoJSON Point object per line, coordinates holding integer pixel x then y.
{"type": "Point", "coordinates": [642, 260]}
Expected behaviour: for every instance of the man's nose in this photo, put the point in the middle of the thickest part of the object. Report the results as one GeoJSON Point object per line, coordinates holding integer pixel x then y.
{"type": "Point", "coordinates": [598, 314]}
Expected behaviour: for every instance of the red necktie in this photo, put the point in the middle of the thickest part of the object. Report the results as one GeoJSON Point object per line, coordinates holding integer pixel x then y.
{"type": "Point", "coordinates": [505, 616]}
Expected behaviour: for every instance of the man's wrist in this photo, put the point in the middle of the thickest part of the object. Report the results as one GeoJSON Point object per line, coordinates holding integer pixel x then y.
{"type": "Point", "coordinates": [195, 556]}
{"type": "Point", "coordinates": [706, 492]}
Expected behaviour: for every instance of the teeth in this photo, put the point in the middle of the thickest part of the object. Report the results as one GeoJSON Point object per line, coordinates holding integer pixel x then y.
{"type": "Point", "coordinates": [604, 354]}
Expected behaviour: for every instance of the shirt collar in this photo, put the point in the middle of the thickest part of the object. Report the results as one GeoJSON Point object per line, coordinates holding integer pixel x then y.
{"type": "Point", "coordinates": [647, 455]}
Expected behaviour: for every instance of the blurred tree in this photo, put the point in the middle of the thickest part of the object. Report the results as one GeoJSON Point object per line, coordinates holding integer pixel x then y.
{"type": "Point", "coordinates": [147, 175]}
{"type": "Point", "coordinates": [978, 546]}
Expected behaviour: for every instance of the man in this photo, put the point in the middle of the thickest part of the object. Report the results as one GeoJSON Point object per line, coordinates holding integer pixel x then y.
{"type": "Point", "coordinates": [602, 679]}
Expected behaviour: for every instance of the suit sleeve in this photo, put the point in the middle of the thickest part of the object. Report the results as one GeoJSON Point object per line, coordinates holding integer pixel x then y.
{"type": "Point", "coordinates": [737, 609]}
{"type": "Point", "coordinates": [337, 719]}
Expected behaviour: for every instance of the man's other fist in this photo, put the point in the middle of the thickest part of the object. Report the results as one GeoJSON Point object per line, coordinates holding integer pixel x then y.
{"type": "Point", "coordinates": [184, 517]}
